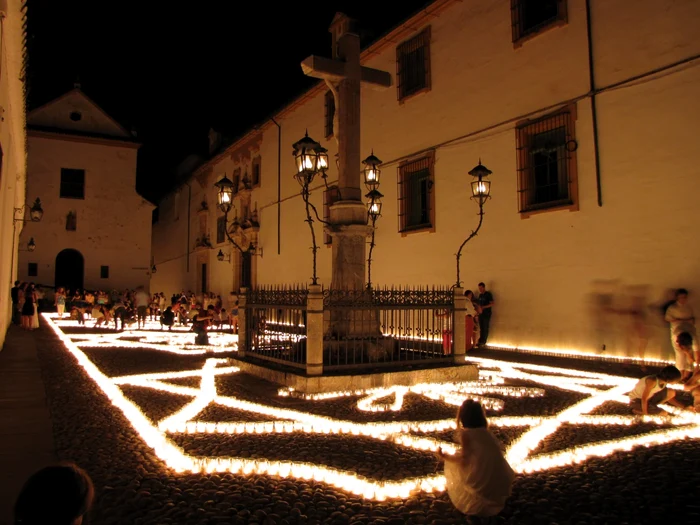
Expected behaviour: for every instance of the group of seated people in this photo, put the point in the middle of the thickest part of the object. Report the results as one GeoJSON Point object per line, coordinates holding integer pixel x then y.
{"type": "Point", "coordinates": [185, 309]}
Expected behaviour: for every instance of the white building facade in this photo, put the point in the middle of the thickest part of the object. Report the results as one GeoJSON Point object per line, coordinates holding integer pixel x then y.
{"type": "Point", "coordinates": [13, 149]}
{"type": "Point", "coordinates": [583, 111]}
{"type": "Point", "coordinates": [96, 229]}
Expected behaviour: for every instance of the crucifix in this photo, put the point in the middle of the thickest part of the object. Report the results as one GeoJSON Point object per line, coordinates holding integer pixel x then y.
{"type": "Point", "coordinates": [348, 217]}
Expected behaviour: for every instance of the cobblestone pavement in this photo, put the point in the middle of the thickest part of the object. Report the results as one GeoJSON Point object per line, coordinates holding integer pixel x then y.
{"type": "Point", "coordinates": [644, 485]}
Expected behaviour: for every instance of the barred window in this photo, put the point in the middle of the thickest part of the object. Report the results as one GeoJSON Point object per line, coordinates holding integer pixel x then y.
{"type": "Point", "coordinates": [71, 221]}
{"type": "Point", "coordinates": [416, 194]}
{"type": "Point", "coordinates": [330, 197]}
{"type": "Point", "coordinates": [329, 103]}
{"type": "Point", "coordinates": [546, 152]}
{"type": "Point", "coordinates": [256, 168]}
{"type": "Point", "coordinates": [220, 230]}
{"type": "Point", "coordinates": [413, 65]}
{"type": "Point", "coordinates": [72, 184]}
{"type": "Point", "coordinates": [532, 16]}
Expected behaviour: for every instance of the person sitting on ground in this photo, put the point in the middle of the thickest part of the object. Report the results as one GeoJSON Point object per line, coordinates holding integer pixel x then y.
{"type": "Point", "coordinates": [56, 495]}
{"type": "Point", "coordinates": [478, 476]}
{"type": "Point", "coordinates": [168, 318]}
{"type": "Point", "coordinates": [650, 391]}
{"type": "Point", "coordinates": [692, 385]}
{"type": "Point", "coordinates": [200, 324]}
{"type": "Point", "coordinates": [100, 314]}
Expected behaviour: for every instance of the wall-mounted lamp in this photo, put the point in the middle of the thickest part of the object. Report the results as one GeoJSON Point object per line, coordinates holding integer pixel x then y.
{"type": "Point", "coordinates": [31, 246]}
{"type": "Point", "coordinates": [223, 257]}
{"type": "Point", "coordinates": [153, 269]}
{"type": "Point", "coordinates": [36, 212]}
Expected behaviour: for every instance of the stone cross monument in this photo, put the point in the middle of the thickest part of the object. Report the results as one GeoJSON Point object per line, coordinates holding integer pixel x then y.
{"type": "Point", "coordinates": [348, 216]}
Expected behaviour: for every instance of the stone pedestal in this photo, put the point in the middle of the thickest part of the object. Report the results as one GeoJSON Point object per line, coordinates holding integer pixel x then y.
{"type": "Point", "coordinates": [459, 332]}
{"type": "Point", "coordinates": [242, 324]}
{"type": "Point", "coordinates": [314, 331]}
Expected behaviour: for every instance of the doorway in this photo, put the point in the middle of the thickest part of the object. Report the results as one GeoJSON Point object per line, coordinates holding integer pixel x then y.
{"type": "Point", "coordinates": [204, 278]}
{"type": "Point", "coordinates": [70, 269]}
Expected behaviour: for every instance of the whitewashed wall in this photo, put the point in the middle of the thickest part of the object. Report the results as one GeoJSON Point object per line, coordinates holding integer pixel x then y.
{"type": "Point", "coordinates": [113, 221]}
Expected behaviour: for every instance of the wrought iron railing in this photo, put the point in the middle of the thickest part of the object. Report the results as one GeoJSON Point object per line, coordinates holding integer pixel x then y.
{"type": "Point", "coordinates": [276, 324]}
{"type": "Point", "coordinates": [387, 326]}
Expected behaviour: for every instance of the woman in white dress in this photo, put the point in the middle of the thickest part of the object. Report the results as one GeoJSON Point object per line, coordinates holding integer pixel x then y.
{"type": "Point", "coordinates": [479, 479]}
{"type": "Point", "coordinates": [35, 318]}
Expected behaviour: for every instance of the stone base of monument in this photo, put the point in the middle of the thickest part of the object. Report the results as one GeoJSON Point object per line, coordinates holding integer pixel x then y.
{"type": "Point", "coordinates": [350, 379]}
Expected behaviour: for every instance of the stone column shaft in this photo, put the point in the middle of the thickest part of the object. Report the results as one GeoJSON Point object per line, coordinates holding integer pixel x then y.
{"type": "Point", "coordinates": [459, 332]}
{"type": "Point", "coordinates": [314, 331]}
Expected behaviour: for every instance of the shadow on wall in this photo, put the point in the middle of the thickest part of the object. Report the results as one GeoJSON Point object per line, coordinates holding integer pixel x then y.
{"type": "Point", "coordinates": [627, 319]}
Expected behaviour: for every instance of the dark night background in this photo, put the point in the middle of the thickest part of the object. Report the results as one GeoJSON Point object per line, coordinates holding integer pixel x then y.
{"type": "Point", "coordinates": [171, 71]}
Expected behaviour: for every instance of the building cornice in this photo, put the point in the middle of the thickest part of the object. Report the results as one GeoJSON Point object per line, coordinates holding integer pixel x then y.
{"type": "Point", "coordinates": [73, 136]}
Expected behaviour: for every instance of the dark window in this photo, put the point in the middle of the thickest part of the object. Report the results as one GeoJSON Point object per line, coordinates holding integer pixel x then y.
{"type": "Point", "coordinates": [71, 221]}
{"type": "Point", "coordinates": [413, 65]}
{"type": "Point", "coordinates": [330, 113]}
{"type": "Point", "coordinates": [546, 166]}
{"type": "Point", "coordinates": [204, 278]}
{"type": "Point", "coordinates": [104, 272]}
{"type": "Point", "coordinates": [32, 269]}
{"type": "Point", "coordinates": [75, 116]}
{"type": "Point", "coordinates": [236, 179]}
{"type": "Point", "coordinates": [416, 195]}
{"type": "Point", "coordinates": [220, 230]}
{"type": "Point", "coordinates": [330, 197]}
{"type": "Point", "coordinates": [531, 16]}
{"type": "Point", "coordinates": [72, 184]}
{"type": "Point", "coordinates": [256, 168]}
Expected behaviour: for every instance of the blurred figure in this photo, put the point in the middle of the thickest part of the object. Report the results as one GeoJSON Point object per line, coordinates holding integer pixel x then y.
{"type": "Point", "coordinates": [681, 318]}
{"type": "Point", "coordinates": [478, 477]}
{"type": "Point", "coordinates": [56, 495]}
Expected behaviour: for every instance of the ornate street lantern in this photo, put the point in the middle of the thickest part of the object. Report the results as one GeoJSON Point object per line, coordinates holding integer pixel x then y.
{"type": "Point", "coordinates": [322, 162]}
{"type": "Point", "coordinates": [371, 171]}
{"type": "Point", "coordinates": [36, 212]}
{"type": "Point", "coordinates": [306, 153]}
{"type": "Point", "coordinates": [481, 186]}
{"type": "Point", "coordinates": [220, 256]}
{"type": "Point", "coordinates": [31, 245]}
{"type": "Point", "coordinates": [225, 195]}
{"type": "Point", "coordinates": [153, 269]}
{"type": "Point", "coordinates": [374, 204]}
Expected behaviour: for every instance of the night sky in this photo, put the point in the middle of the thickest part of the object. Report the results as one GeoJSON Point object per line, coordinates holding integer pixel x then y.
{"type": "Point", "coordinates": [172, 70]}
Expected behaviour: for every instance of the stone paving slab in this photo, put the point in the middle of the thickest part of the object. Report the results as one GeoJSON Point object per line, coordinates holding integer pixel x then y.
{"type": "Point", "coordinates": [26, 439]}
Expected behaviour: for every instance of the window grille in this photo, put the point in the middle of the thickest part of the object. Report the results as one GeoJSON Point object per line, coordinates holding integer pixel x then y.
{"type": "Point", "coordinates": [531, 16]}
{"type": "Point", "coordinates": [220, 230]}
{"type": "Point", "coordinates": [71, 221]}
{"type": "Point", "coordinates": [545, 149]}
{"type": "Point", "coordinates": [416, 194]}
{"type": "Point", "coordinates": [330, 113]}
{"type": "Point", "coordinates": [256, 169]}
{"type": "Point", "coordinates": [72, 184]}
{"type": "Point", "coordinates": [413, 65]}
{"type": "Point", "coordinates": [330, 197]}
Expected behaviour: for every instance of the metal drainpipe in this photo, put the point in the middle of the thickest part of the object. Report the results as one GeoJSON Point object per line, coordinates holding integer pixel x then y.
{"type": "Point", "coordinates": [189, 223]}
{"type": "Point", "coordinates": [279, 185]}
{"type": "Point", "coordinates": [594, 111]}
